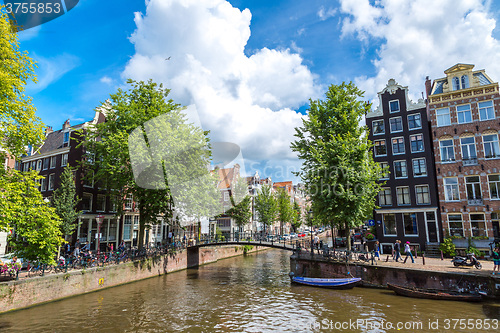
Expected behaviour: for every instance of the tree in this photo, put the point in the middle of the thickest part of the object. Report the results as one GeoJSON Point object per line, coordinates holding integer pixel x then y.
{"type": "Point", "coordinates": [147, 148]}
{"type": "Point", "coordinates": [241, 203]}
{"type": "Point", "coordinates": [297, 216]}
{"type": "Point", "coordinates": [19, 127]}
{"type": "Point", "coordinates": [338, 169]}
{"type": "Point", "coordinates": [283, 208]}
{"type": "Point", "coordinates": [36, 225]}
{"type": "Point", "coordinates": [265, 205]}
{"type": "Point", "coordinates": [65, 201]}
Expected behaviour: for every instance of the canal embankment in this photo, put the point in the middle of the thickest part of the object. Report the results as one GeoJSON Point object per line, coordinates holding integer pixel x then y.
{"type": "Point", "coordinates": [37, 290]}
{"type": "Point", "coordinates": [377, 275]}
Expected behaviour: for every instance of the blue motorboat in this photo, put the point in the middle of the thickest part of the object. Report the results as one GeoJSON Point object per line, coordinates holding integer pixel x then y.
{"type": "Point", "coordinates": [343, 283]}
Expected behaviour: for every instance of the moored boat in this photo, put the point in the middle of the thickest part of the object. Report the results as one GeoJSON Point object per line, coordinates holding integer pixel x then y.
{"type": "Point", "coordinates": [434, 294]}
{"type": "Point", "coordinates": [343, 283]}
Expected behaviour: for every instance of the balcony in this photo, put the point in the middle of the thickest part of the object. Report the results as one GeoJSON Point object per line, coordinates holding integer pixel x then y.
{"type": "Point", "coordinates": [470, 161]}
{"type": "Point", "coordinates": [475, 202]}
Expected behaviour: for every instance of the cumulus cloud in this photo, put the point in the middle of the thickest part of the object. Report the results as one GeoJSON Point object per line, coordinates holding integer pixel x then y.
{"type": "Point", "coordinates": [196, 48]}
{"type": "Point", "coordinates": [324, 14]}
{"type": "Point", "coordinates": [421, 38]}
{"type": "Point", "coordinates": [106, 79]}
{"type": "Point", "coordinates": [51, 69]}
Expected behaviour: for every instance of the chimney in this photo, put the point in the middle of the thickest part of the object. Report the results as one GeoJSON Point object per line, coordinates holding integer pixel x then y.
{"type": "Point", "coordinates": [428, 86]}
{"type": "Point", "coordinates": [66, 124]}
{"type": "Point", "coordinates": [48, 130]}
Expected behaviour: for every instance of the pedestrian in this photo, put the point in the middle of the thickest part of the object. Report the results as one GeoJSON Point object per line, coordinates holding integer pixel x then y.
{"type": "Point", "coordinates": [496, 260]}
{"type": "Point", "coordinates": [397, 249]}
{"type": "Point", "coordinates": [408, 252]}
{"type": "Point", "coordinates": [170, 237]}
{"type": "Point", "coordinates": [77, 244]}
{"type": "Point", "coordinates": [68, 249]}
{"type": "Point", "coordinates": [377, 250]}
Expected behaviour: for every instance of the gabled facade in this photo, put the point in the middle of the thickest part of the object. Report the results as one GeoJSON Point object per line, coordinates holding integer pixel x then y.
{"type": "Point", "coordinates": [399, 130]}
{"type": "Point", "coordinates": [464, 109]}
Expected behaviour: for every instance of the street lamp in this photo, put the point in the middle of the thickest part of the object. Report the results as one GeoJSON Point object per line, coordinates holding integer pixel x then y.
{"type": "Point", "coordinates": [310, 230]}
{"type": "Point", "coordinates": [99, 219]}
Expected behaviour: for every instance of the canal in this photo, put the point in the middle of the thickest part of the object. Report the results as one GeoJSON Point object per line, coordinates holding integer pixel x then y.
{"type": "Point", "coordinates": [247, 294]}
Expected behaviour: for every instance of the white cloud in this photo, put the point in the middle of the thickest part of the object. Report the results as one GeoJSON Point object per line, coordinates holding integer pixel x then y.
{"type": "Point", "coordinates": [325, 14]}
{"type": "Point", "coordinates": [106, 79]}
{"type": "Point", "coordinates": [420, 38]}
{"type": "Point", "coordinates": [248, 100]}
{"type": "Point", "coordinates": [51, 69]}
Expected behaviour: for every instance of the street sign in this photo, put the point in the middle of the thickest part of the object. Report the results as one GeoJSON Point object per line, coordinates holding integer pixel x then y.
{"type": "Point", "coordinates": [371, 223]}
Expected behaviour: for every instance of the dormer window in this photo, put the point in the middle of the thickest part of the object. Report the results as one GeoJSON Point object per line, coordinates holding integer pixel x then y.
{"type": "Point", "coordinates": [465, 82]}
{"type": "Point", "coordinates": [456, 83]}
{"type": "Point", "coordinates": [66, 139]}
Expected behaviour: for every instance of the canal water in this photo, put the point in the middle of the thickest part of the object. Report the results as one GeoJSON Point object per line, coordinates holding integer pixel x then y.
{"type": "Point", "coordinates": [247, 294]}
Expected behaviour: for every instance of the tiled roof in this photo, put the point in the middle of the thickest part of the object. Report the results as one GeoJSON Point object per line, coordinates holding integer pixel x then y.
{"type": "Point", "coordinates": [53, 141]}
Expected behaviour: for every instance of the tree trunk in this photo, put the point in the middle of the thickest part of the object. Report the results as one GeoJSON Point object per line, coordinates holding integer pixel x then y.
{"type": "Point", "coordinates": [348, 237]}
{"type": "Point", "coordinates": [333, 237]}
{"type": "Point", "coordinates": [142, 227]}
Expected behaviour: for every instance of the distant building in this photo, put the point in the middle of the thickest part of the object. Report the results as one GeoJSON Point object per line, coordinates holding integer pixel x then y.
{"type": "Point", "coordinates": [464, 109]}
{"type": "Point", "coordinates": [227, 179]}
{"type": "Point", "coordinates": [399, 130]}
{"type": "Point", "coordinates": [9, 163]}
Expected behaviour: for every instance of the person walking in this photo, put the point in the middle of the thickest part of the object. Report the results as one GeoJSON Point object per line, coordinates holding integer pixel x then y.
{"type": "Point", "coordinates": [397, 250]}
{"type": "Point", "coordinates": [377, 250]}
{"type": "Point", "coordinates": [496, 260]}
{"type": "Point", "coordinates": [408, 252]}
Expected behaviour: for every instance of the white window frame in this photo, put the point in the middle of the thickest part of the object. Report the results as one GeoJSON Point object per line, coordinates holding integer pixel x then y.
{"type": "Point", "coordinates": [226, 196]}
{"type": "Point", "coordinates": [64, 159]}
{"type": "Point", "coordinates": [101, 209]}
{"type": "Point", "coordinates": [474, 187]}
{"type": "Point", "coordinates": [373, 126]}
{"type": "Point", "coordinates": [404, 166]}
{"type": "Point", "coordinates": [411, 147]}
{"type": "Point", "coordinates": [420, 119]}
{"type": "Point", "coordinates": [417, 194]}
{"type": "Point", "coordinates": [397, 195]}
{"type": "Point", "coordinates": [39, 165]}
{"type": "Point", "coordinates": [483, 221]}
{"type": "Point", "coordinates": [491, 143]}
{"type": "Point", "coordinates": [441, 115]}
{"type": "Point", "coordinates": [468, 146]}
{"type": "Point", "coordinates": [52, 181]}
{"type": "Point", "coordinates": [53, 162]}
{"type": "Point", "coordinates": [480, 108]}
{"type": "Point", "coordinates": [399, 106]}
{"type": "Point", "coordinates": [395, 224]}
{"type": "Point", "coordinates": [385, 196]}
{"type": "Point", "coordinates": [404, 227]}
{"type": "Point", "coordinates": [447, 147]}
{"type": "Point", "coordinates": [445, 186]}
{"type": "Point", "coordinates": [390, 125]}
{"type": "Point", "coordinates": [413, 166]}
{"type": "Point", "coordinates": [388, 174]}
{"type": "Point", "coordinates": [464, 111]}
{"type": "Point", "coordinates": [461, 221]}
{"type": "Point", "coordinates": [375, 147]}
{"type": "Point", "coordinates": [496, 184]}
{"type": "Point", "coordinates": [392, 145]}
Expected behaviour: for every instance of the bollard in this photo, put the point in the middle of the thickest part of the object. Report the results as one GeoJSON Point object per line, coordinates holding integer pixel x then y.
{"type": "Point", "coordinates": [423, 259]}
{"type": "Point", "coordinates": [387, 258]}
{"type": "Point", "coordinates": [442, 255]}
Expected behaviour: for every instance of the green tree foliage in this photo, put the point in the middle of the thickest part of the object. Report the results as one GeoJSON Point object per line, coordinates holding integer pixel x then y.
{"type": "Point", "coordinates": [284, 208]}
{"type": "Point", "coordinates": [297, 217]}
{"type": "Point", "coordinates": [65, 201]}
{"type": "Point", "coordinates": [142, 127]}
{"type": "Point", "coordinates": [266, 206]}
{"type": "Point", "coordinates": [37, 233]}
{"type": "Point", "coordinates": [338, 168]}
{"type": "Point", "coordinates": [240, 211]}
{"type": "Point", "coordinates": [19, 127]}
{"type": "Point", "coordinates": [447, 247]}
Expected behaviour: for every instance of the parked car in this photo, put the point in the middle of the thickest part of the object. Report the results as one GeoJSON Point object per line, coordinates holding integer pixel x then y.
{"type": "Point", "coordinates": [286, 237]}
{"type": "Point", "coordinates": [340, 241]}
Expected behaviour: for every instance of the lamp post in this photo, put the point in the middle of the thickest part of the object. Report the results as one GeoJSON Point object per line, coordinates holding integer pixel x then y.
{"type": "Point", "coordinates": [99, 219]}
{"type": "Point", "coordinates": [310, 230]}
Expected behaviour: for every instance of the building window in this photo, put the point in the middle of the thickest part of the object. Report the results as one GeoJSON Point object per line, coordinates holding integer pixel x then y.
{"type": "Point", "coordinates": [400, 169]}
{"type": "Point", "coordinates": [26, 166]}
{"type": "Point", "coordinates": [88, 178]}
{"type": "Point", "coordinates": [101, 203]}
{"type": "Point", "coordinates": [419, 167]}
{"type": "Point", "coordinates": [396, 124]}
{"type": "Point", "coordinates": [53, 161]}
{"type": "Point", "coordinates": [39, 165]}
{"type": "Point", "coordinates": [473, 186]}
{"type": "Point", "coordinates": [385, 197]}
{"type": "Point", "coordinates": [64, 159]}
{"type": "Point", "coordinates": [464, 114]}
{"type": "Point", "coordinates": [129, 201]}
{"type": "Point", "coordinates": [226, 196]}
{"type": "Point", "coordinates": [52, 178]}
{"type": "Point", "coordinates": [443, 117]}
{"type": "Point", "coordinates": [477, 223]}
{"type": "Point", "coordinates": [66, 139]}
{"type": "Point", "coordinates": [386, 173]}
{"type": "Point", "coordinates": [403, 195]}
{"type": "Point", "coordinates": [486, 111]}
{"type": "Point", "coordinates": [113, 226]}
{"type": "Point", "coordinates": [494, 183]}
{"type": "Point", "coordinates": [456, 225]}
{"type": "Point", "coordinates": [414, 121]}
{"type": "Point", "coordinates": [447, 151]}
{"type": "Point", "coordinates": [46, 163]}
{"type": "Point", "coordinates": [423, 197]}
{"type": "Point", "coordinates": [468, 146]}
{"type": "Point", "coordinates": [491, 148]}
{"type": "Point", "coordinates": [451, 189]}
{"type": "Point", "coordinates": [456, 83]}
{"type": "Point", "coordinates": [417, 143]}
{"type": "Point", "coordinates": [44, 184]}
{"type": "Point", "coordinates": [394, 106]}
{"type": "Point", "coordinates": [87, 202]}
{"type": "Point", "coordinates": [127, 227]}
{"type": "Point", "coordinates": [33, 165]}
{"type": "Point", "coordinates": [389, 224]}
{"type": "Point", "coordinates": [465, 82]}
{"type": "Point", "coordinates": [136, 221]}
{"type": "Point", "coordinates": [378, 127]}
{"type": "Point", "coordinates": [410, 224]}
{"type": "Point", "coordinates": [380, 148]}
{"type": "Point", "coordinates": [398, 146]}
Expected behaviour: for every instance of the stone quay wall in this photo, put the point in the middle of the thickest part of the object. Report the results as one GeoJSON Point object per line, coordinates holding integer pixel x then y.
{"type": "Point", "coordinates": [37, 290]}
{"type": "Point", "coordinates": [379, 276]}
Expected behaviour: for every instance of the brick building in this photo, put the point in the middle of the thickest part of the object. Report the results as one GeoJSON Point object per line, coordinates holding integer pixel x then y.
{"type": "Point", "coordinates": [399, 130]}
{"type": "Point", "coordinates": [464, 108]}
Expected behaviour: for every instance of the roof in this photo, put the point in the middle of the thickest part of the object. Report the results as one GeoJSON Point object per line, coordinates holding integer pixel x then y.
{"type": "Point", "coordinates": [483, 80]}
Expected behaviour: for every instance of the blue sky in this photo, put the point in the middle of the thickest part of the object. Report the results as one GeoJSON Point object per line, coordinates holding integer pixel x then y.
{"type": "Point", "coordinates": [250, 66]}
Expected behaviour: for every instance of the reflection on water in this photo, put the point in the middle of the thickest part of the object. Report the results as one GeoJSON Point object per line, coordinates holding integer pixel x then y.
{"type": "Point", "coordinates": [242, 294]}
